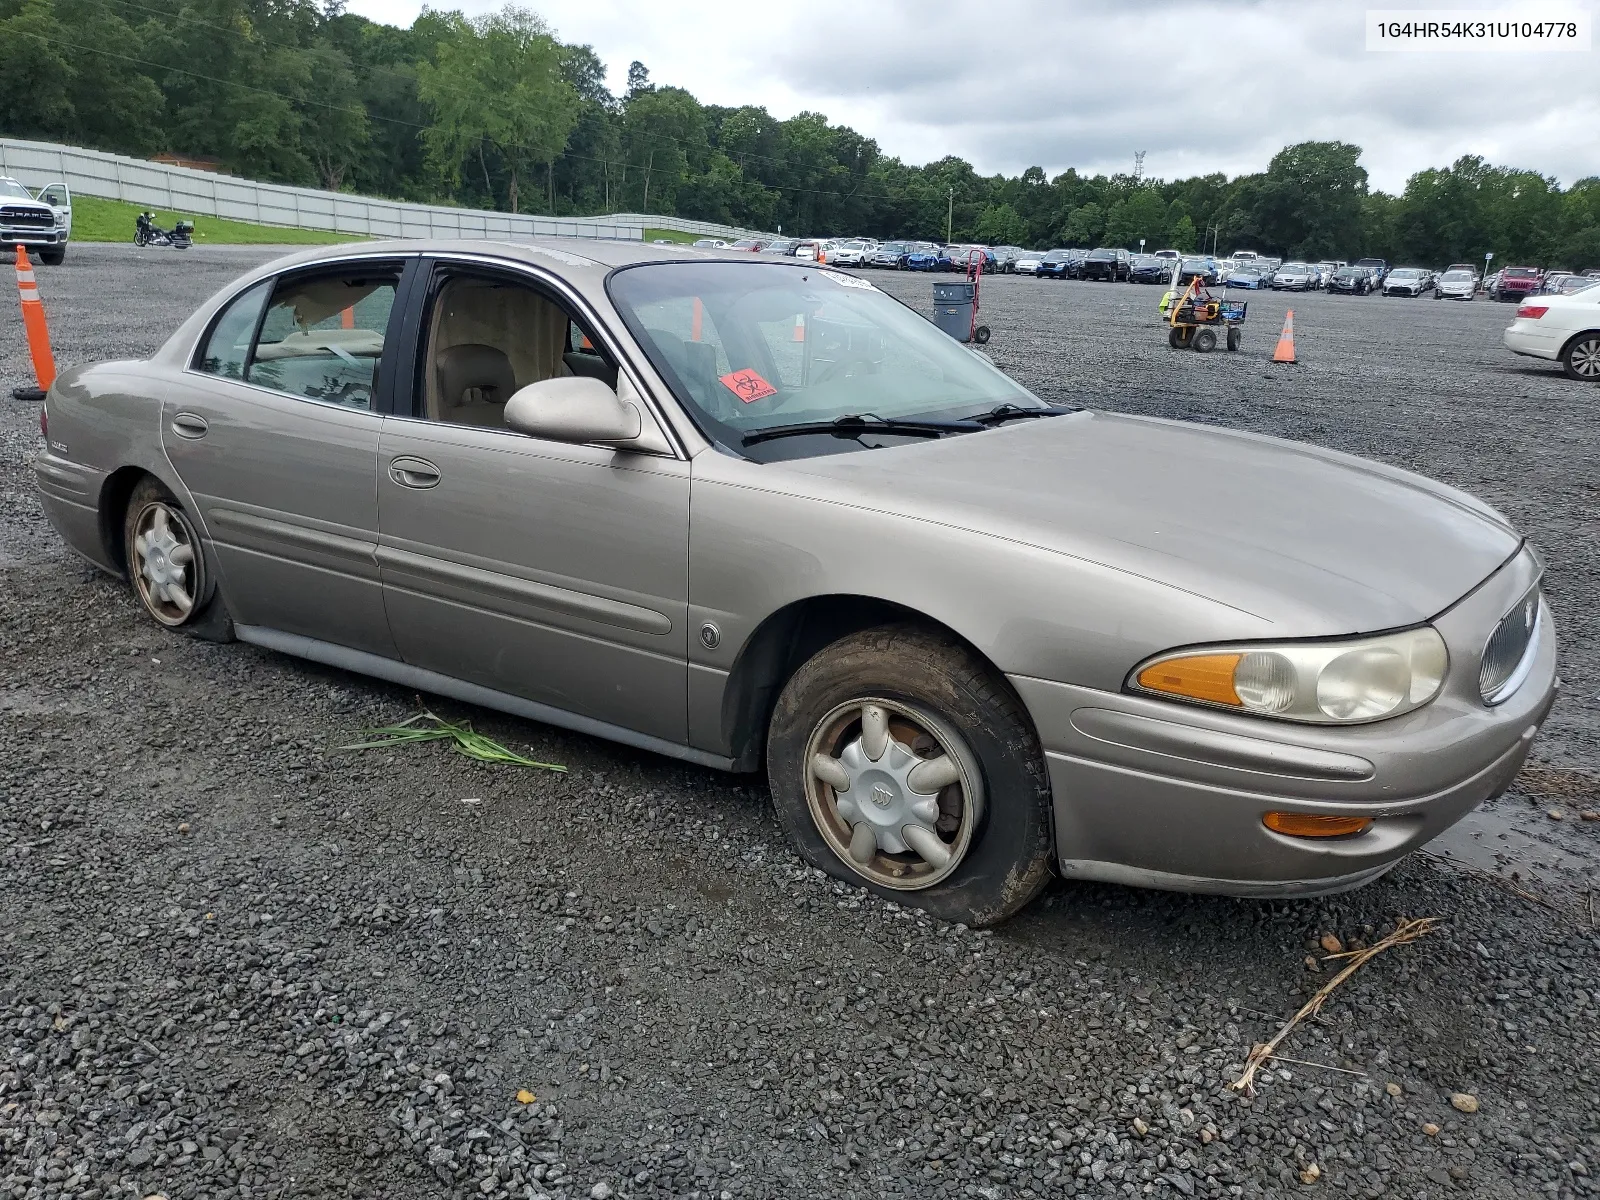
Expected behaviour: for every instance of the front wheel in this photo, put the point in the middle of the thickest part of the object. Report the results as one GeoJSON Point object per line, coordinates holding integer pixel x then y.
{"type": "Point", "coordinates": [1234, 337]}
{"type": "Point", "coordinates": [53, 256]}
{"type": "Point", "coordinates": [981, 335]}
{"type": "Point", "coordinates": [1581, 358]}
{"type": "Point", "coordinates": [1178, 339]}
{"type": "Point", "coordinates": [139, 238]}
{"type": "Point", "coordinates": [901, 762]}
{"type": "Point", "coordinates": [1205, 341]}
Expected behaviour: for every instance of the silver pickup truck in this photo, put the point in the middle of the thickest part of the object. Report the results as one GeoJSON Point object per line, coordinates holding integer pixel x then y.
{"type": "Point", "coordinates": [42, 222]}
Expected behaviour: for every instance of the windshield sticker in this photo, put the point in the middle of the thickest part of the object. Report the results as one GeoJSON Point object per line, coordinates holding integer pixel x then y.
{"type": "Point", "coordinates": [848, 280]}
{"type": "Point", "coordinates": [748, 385]}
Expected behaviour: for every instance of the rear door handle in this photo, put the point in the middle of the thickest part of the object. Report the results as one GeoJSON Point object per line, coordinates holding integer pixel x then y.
{"type": "Point", "coordinates": [412, 472]}
{"type": "Point", "coordinates": [187, 425]}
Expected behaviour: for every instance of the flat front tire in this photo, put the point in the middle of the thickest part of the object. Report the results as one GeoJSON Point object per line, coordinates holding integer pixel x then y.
{"type": "Point", "coordinates": [901, 762]}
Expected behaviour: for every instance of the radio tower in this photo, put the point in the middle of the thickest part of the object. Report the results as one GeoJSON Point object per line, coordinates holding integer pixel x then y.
{"type": "Point", "coordinates": [1138, 165]}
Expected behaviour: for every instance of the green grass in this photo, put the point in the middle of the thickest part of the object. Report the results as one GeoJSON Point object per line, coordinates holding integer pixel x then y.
{"type": "Point", "coordinates": [672, 235]}
{"type": "Point", "coordinates": [97, 220]}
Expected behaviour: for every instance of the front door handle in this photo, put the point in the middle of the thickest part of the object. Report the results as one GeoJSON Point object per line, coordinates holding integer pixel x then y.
{"type": "Point", "coordinates": [187, 425]}
{"type": "Point", "coordinates": [412, 472]}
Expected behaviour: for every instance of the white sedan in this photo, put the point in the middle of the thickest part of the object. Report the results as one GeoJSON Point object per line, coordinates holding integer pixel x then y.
{"type": "Point", "coordinates": [1027, 264]}
{"type": "Point", "coordinates": [1565, 329]}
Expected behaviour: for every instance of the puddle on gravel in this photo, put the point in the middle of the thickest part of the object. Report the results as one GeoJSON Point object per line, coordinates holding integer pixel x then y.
{"type": "Point", "coordinates": [1497, 841]}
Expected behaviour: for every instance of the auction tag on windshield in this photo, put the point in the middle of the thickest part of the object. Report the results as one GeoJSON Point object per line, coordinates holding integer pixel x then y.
{"type": "Point", "coordinates": [848, 280]}
{"type": "Point", "coordinates": [748, 385]}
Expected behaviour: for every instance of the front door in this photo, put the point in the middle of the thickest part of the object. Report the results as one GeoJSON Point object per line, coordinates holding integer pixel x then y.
{"type": "Point", "coordinates": [274, 432]}
{"type": "Point", "coordinates": [553, 572]}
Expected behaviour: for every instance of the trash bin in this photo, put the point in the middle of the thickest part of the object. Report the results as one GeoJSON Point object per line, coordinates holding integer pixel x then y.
{"type": "Point", "coordinates": [952, 308]}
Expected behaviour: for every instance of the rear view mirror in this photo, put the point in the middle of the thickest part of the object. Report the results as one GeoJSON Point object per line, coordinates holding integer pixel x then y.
{"type": "Point", "coordinates": [573, 409]}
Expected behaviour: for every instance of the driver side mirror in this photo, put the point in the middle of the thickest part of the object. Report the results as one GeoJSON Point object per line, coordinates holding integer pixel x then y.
{"type": "Point", "coordinates": [573, 409]}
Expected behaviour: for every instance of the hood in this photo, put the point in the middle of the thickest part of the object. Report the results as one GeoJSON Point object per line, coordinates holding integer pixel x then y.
{"type": "Point", "coordinates": [1314, 542]}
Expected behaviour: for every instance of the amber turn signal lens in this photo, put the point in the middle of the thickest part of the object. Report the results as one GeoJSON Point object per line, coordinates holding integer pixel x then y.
{"type": "Point", "coordinates": [1207, 677]}
{"type": "Point", "coordinates": [1311, 825]}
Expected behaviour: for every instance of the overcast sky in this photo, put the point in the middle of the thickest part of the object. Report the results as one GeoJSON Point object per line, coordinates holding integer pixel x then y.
{"type": "Point", "coordinates": [1008, 84]}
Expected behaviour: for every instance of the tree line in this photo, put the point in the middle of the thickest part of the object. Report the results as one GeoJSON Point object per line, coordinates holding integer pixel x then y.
{"type": "Point", "coordinates": [497, 112]}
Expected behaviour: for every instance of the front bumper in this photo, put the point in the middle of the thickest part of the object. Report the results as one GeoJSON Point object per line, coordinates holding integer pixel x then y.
{"type": "Point", "coordinates": [11, 236]}
{"type": "Point", "coordinates": [1162, 795]}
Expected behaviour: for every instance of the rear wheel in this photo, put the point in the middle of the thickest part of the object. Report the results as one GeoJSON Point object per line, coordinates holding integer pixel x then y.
{"type": "Point", "coordinates": [1205, 340]}
{"type": "Point", "coordinates": [1581, 358]}
{"type": "Point", "coordinates": [1234, 337]}
{"type": "Point", "coordinates": [167, 565]}
{"type": "Point", "coordinates": [1178, 339]}
{"type": "Point", "coordinates": [981, 335]}
{"type": "Point", "coordinates": [901, 762]}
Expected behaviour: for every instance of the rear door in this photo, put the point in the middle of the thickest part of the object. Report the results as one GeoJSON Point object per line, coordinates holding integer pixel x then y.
{"type": "Point", "coordinates": [274, 431]}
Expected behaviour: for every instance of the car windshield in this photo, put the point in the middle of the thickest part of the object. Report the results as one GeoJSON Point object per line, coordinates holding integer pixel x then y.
{"type": "Point", "coordinates": [893, 248]}
{"type": "Point", "coordinates": [1522, 273]}
{"type": "Point", "coordinates": [751, 346]}
{"type": "Point", "coordinates": [1458, 277]}
{"type": "Point", "coordinates": [10, 189]}
{"type": "Point", "coordinates": [1349, 273]}
{"type": "Point", "coordinates": [1404, 273]}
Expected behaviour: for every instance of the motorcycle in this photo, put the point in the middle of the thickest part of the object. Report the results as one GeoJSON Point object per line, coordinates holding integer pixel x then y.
{"type": "Point", "coordinates": [147, 233]}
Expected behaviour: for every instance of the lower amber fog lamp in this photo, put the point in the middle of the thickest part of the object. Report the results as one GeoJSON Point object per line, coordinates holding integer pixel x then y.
{"type": "Point", "coordinates": [1311, 825]}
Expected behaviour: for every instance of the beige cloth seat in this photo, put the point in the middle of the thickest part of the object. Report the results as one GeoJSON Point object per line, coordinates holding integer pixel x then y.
{"type": "Point", "coordinates": [488, 340]}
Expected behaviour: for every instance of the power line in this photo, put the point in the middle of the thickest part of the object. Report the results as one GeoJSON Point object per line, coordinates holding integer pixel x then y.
{"type": "Point", "coordinates": [362, 112]}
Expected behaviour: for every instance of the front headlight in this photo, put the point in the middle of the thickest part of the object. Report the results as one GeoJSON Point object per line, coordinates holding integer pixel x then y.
{"type": "Point", "coordinates": [1321, 683]}
{"type": "Point", "coordinates": [61, 219]}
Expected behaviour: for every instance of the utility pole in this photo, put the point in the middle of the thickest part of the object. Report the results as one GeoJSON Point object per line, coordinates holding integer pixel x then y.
{"type": "Point", "coordinates": [650, 162]}
{"type": "Point", "coordinates": [949, 216]}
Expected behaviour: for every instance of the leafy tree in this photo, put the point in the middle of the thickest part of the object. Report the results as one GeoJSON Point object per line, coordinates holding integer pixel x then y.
{"type": "Point", "coordinates": [1183, 234]}
{"type": "Point", "coordinates": [1001, 225]}
{"type": "Point", "coordinates": [496, 82]}
{"type": "Point", "coordinates": [1083, 225]}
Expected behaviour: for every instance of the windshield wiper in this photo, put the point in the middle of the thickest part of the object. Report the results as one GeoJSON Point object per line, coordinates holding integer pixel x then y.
{"type": "Point", "coordinates": [1001, 413]}
{"type": "Point", "coordinates": [854, 425]}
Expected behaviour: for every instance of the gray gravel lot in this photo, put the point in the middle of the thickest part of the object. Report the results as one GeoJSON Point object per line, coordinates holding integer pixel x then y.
{"type": "Point", "coordinates": [236, 962]}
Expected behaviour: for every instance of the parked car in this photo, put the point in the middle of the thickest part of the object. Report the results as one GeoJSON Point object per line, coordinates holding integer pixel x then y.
{"type": "Point", "coordinates": [1005, 258]}
{"type": "Point", "coordinates": [1027, 263]}
{"type": "Point", "coordinates": [1456, 285]}
{"type": "Point", "coordinates": [711, 244]}
{"type": "Point", "coordinates": [1105, 263]}
{"type": "Point", "coordinates": [1565, 329]}
{"type": "Point", "coordinates": [780, 246]}
{"type": "Point", "coordinates": [1376, 268]}
{"type": "Point", "coordinates": [1405, 281]}
{"type": "Point", "coordinates": [1294, 277]}
{"type": "Point", "coordinates": [1552, 281]}
{"type": "Point", "coordinates": [1143, 651]}
{"type": "Point", "coordinates": [959, 258]}
{"type": "Point", "coordinates": [1325, 272]}
{"type": "Point", "coordinates": [1148, 268]}
{"type": "Point", "coordinates": [814, 249]}
{"type": "Point", "coordinates": [1573, 284]}
{"type": "Point", "coordinates": [849, 253]}
{"type": "Point", "coordinates": [926, 257]}
{"type": "Point", "coordinates": [1252, 278]}
{"type": "Point", "coordinates": [890, 255]}
{"type": "Point", "coordinates": [1354, 281]}
{"type": "Point", "coordinates": [1057, 264]}
{"type": "Point", "coordinates": [42, 223]}
{"type": "Point", "coordinates": [1473, 267]}
{"type": "Point", "coordinates": [751, 244]}
{"type": "Point", "coordinates": [1516, 283]}
{"type": "Point", "coordinates": [1198, 268]}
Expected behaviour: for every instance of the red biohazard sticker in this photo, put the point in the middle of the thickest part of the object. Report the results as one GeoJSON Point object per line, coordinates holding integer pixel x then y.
{"type": "Point", "coordinates": [748, 385]}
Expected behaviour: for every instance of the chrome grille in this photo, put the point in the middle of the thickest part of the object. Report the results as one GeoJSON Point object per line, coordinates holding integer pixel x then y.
{"type": "Point", "coordinates": [27, 218]}
{"type": "Point", "coordinates": [1506, 648]}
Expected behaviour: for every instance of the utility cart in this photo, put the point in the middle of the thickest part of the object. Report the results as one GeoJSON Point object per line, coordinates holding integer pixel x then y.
{"type": "Point", "coordinates": [1197, 315]}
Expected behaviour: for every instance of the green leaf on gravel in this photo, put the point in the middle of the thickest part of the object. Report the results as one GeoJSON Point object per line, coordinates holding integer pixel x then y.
{"type": "Point", "coordinates": [429, 727]}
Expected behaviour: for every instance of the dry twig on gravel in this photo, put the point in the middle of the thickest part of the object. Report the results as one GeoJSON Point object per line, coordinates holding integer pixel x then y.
{"type": "Point", "coordinates": [1408, 930]}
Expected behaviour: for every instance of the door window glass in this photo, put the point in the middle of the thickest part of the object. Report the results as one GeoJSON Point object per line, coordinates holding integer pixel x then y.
{"type": "Point", "coordinates": [322, 338]}
{"type": "Point", "coordinates": [227, 347]}
{"type": "Point", "coordinates": [55, 195]}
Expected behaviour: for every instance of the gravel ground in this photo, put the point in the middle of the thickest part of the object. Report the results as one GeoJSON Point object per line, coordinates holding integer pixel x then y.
{"type": "Point", "coordinates": [236, 962]}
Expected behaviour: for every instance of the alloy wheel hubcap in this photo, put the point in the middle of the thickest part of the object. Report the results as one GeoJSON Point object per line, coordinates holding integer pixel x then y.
{"type": "Point", "coordinates": [1586, 359]}
{"type": "Point", "coordinates": [164, 564]}
{"type": "Point", "coordinates": [894, 791]}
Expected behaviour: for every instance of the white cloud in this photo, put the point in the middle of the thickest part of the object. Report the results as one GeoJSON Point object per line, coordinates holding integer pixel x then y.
{"type": "Point", "coordinates": [1005, 84]}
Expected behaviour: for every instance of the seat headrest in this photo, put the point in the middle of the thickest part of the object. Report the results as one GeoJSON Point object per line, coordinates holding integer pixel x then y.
{"type": "Point", "coordinates": [474, 367]}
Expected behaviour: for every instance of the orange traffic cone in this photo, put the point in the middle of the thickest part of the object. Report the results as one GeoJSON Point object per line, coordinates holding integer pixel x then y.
{"type": "Point", "coordinates": [799, 327]}
{"type": "Point", "coordinates": [1285, 351]}
{"type": "Point", "coordinates": [44, 363]}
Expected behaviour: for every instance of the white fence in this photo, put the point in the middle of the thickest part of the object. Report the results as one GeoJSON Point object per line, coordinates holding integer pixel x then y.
{"type": "Point", "coordinates": [204, 193]}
